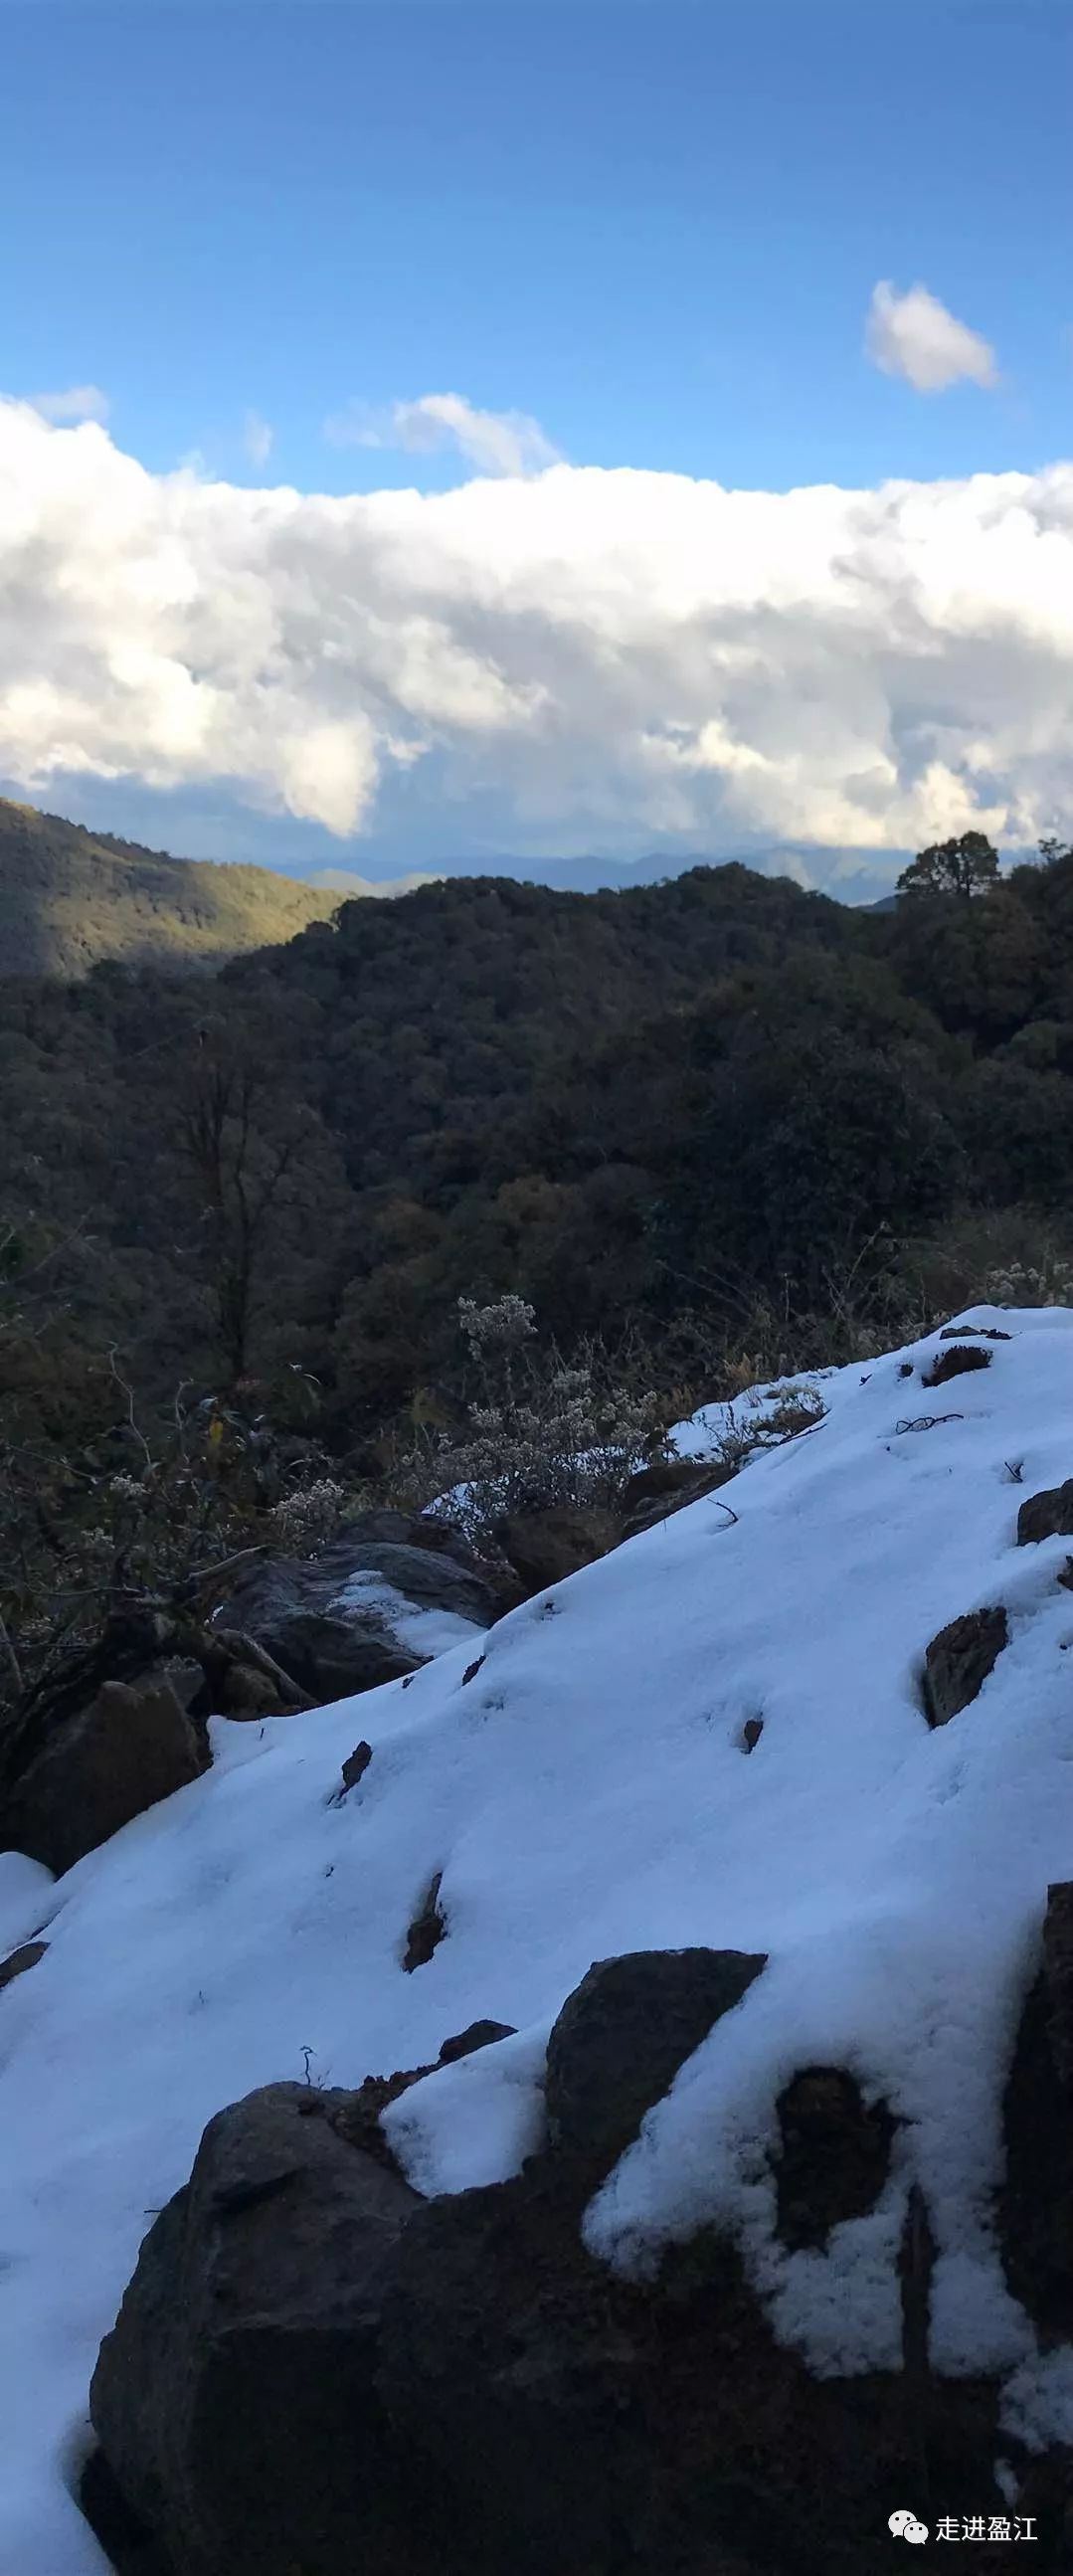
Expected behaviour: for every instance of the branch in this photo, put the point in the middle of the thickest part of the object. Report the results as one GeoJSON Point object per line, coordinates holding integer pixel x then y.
{"type": "Point", "coordinates": [132, 1425]}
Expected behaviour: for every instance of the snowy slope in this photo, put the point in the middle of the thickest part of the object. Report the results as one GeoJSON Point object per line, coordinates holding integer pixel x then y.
{"type": "Point", "coordinates": [586, 1793]}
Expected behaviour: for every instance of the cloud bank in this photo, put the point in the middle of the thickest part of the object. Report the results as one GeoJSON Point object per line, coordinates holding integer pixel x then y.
{"type": "Point", "coordinates": [622, 652]}
{"type": "Point", "coordinates": [914, 336]}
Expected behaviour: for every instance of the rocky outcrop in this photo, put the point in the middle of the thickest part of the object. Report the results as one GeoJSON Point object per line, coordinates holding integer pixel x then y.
{"type": "Point", "coordinates": [316, 2369]}
{"type": "Point", "coordinates": [427, 1930]}
{"type": "Point", "coordinates": [1036, 2201]}
{"type": "Point", "coordinates": [235, 2400]}
{"type": "Point", "coordinates": [542, 1548]}
{"type": "Point", "coordinates": [957, 1360]}
{"type": "Point", "coordinates": [655, 1492]}
{"type": "Point", "coordinates": [959, 1660]}
{"type": "Point", "coordinates": [1046, 1515]}
{"type": "Point", "coordinates": [17, 1961]}
{"type": "Point", "coordinates": [622, 2036]}
{"type": "Point", "coordinates": [350, 1618]}
{"type": "Point", "coordinates": [133, 1745]}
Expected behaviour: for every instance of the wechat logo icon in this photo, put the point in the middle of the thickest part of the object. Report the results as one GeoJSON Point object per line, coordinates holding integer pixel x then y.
{"type": "Point", "coordinates": [906, 2527]}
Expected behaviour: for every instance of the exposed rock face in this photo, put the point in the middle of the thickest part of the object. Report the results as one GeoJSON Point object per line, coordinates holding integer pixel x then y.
{"type": "Point", "coordinates": [357, 1764]}
{"type": "Point", "coordinates": [959, 1660]}
{"type": "Point", "coordinates": [132, 1745]}
{"type": "Point", "coordinates": [834, 2154]}
{"type": "Point", "coordinates": [17, 1962]}
{"type": "Point", "coordinates": [427, 1930]}
{"type": "Point", "coordinates": [235, 2398]}
{"type": "Point", "coordinates": [315, 2370]}
{"type": "Point", "coordinates": [542, 1548]}
{"type": "Point", "coordinates": [480, 2034]}
{"type": "Point", "coordinates": [333, 1635]}
{"type": "Point", "coordinates": [956, 1361]}
{"type": "Point", "coordinates": [666, 1487]}
{"type": "Point", "coordinates": [1046, 1515]}
{"type": "Point", "coordinates": [1036, 2202]}
{"type": "Point", "coordinates": [622, 2036]}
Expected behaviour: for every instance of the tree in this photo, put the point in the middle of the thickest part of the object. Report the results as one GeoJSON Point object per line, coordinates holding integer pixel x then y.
{"type": "Point", "coordinates": [966, 866]}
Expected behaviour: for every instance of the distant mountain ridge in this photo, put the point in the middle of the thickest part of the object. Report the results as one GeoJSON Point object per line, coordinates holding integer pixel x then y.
{"type": "Point", "coordinates": [71, 898]}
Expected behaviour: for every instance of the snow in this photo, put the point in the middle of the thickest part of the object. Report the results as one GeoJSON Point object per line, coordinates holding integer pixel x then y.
{"type": "Point", "coordinates": [587, 1792]}
{"type": "Point", "coordinates": [426, 1632]}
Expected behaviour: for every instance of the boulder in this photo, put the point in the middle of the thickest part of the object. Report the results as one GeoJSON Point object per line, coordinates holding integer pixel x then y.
{"type": "Point", "coordinates": [957, 1360]}
{"type": "Point", "coordinates": [344, 1621]}
{"type": "Point", "coordinates": [480, 2034]}
{"type": "Point", "coordinates": [959, 1660]}
{"type": "Point", "coordinates": [315, 2370]}
{"type": "Point", "coordinates": [235, 2399]}
{"type": "Point", "coordinates": [667, 1486]}
{"type": "Point", "coordinates": [16, 1964]}
{"type": "Point", "coordinates": [542, 1548]}
{"type": "Point", "coordinates": [1036, 2199]}
{"type": "Point", "coordinates": [133, 1745]}
{"type": "Point", "coordinates": [1046, 1515]}
{"type": "Point", "coordinates": [428, 1928]}
{"type": "Point", "coordinates": [356, 1764]}
{"type": "Point", "coordinates": [623, 2034]}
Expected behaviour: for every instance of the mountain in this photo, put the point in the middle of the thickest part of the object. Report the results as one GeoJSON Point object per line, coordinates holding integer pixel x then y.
{"type": "Point", "coordinates": [716, 1747]}
{"type": "Point", "coordinates": [70, 898]}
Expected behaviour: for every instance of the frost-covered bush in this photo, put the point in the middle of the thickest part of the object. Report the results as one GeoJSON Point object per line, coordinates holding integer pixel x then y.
{"type": "Point", "coordinates": [309, 1515]}
{"type": "Point", "coordinates": [538, 1432]}
{"type": "Point", "coordinates": [1020, 1283]}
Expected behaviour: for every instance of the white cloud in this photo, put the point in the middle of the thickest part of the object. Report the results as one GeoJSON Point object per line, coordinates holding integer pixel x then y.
{"type": "Point", "coordinates": [258, 438]}
{"type": "Point", "coordinates": [75, 403]}
{"type": "Point", "coordinates": [914, 336]}
{"type": "Point", "coordinates": [496, 442]}
{"type": "Point", "coordinates": [599, 656]}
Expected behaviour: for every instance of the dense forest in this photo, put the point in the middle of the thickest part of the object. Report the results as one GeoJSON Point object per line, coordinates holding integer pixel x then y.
{"type": "Point", "coordinates": [710, 1125]}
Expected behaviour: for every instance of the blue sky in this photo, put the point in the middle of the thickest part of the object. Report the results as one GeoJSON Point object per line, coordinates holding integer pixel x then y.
{"type": "Point", "coordinates": [653, 228]}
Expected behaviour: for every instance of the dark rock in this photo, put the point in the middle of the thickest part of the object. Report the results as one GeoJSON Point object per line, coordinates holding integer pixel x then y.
{"type": "Point", "coordinates": [356, 2116]}
{"type": "Point", "coordinates": [570, 2421]}
{"type": "Point", "coordinates": [128, 2544]}
{"type": "Point", "coordinates": [959, 1660]}
{"type": "Point", "coordinates": [1046, 1515]}
{"type": "Point", "coordinates": [316, 2371]}
{"type": "Point", "coordinates": [481, 2034]}
{"type": "Point", "coordinates": [131, 1747]}
{"type": "Point", "coordinates": [427, 1929]}
{"type": "Point", "coordinates": [1035, 2203]}
{"type": "Point", "coordinates": [957, 1360]}
{"type": "Point", "coordinates": [183, 1675]}
{"type": "Point", "coordinates": [357, 1764]}
{"type": "Point", "coordinates": [472, 1670]}
{"type": "Point", "coordinates": [834, 2154]}
{"type": "Point", "coordinates": [623, 2034]}
{"type": "Point", "coordinates": [234, 2399]}
{"type": "Point", "coordinates": [751, 1733]}
{"type": "Point", "coordinates": [666, 1487]}
{"type": "Point", "coordinates": [981, 1332]}
{"type": "Point", "coordinates": [332, 1646]}
{"type": "Point", "coordinates": [1058, 1970]}
{"type": "Point", "coordinates": [19, 1960]}
{"type": "Point", "coordinates": [543, 1548]}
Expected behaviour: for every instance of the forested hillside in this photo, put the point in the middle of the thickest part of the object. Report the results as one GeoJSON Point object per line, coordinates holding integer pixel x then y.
{"type": "Point", "coordinates": [70, 897]}
{"type": "Point", "coordinates": [681, 1100]}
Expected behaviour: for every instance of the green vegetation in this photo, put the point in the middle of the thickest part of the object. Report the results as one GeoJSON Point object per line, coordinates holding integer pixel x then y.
{"type": "Point", "coordinates": [710, 1131]}
{"type": "Point", "coordinates": [69, 898]}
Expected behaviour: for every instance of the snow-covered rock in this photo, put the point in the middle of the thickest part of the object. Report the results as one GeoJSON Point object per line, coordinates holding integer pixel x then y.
{"type": "Point", "coordinates": [585, 1792]}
